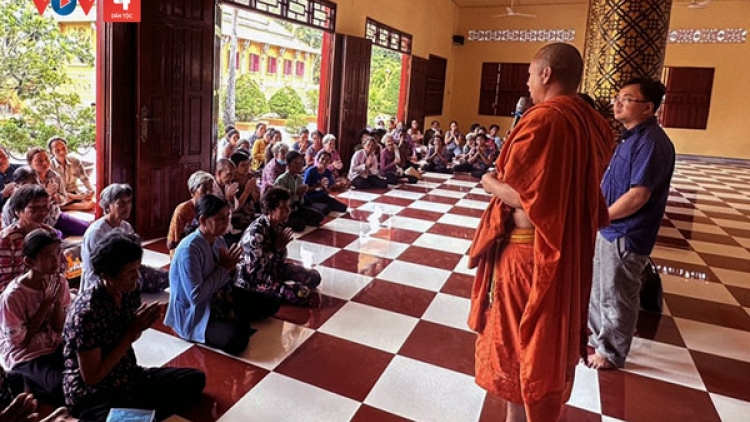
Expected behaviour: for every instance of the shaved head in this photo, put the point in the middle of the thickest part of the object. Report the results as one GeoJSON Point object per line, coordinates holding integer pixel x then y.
{"type": "Point", "coordinates": [565, 62]}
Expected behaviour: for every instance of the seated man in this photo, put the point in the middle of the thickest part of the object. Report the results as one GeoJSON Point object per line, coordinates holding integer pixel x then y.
{"type": "Point", "coordinates": [71, 171]}
{"type": "Point", "coordinates": [302, 214]}
{"type": "Point", "coordinates": [32, 314]}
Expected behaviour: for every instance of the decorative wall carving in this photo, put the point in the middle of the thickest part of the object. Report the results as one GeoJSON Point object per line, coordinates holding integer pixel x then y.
{"type": "Point", "coordinates": [523, 35]}
{"type": "Point", "coordinates": [708, 36]}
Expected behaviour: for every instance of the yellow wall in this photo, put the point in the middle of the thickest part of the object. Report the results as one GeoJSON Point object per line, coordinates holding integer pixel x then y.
{"type": "Point", "coordinates": [727, 134]}
{"type": "Point", "coordinates": [430, 22]}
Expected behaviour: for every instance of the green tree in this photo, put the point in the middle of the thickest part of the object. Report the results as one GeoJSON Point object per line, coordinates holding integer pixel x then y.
{"type": "Point", "coordinates": [250, 101]}
{"type": "Point", "coordinates": [33, 73]}
{"type": "Point", "coordinates": [385, 82]}
{"type": "Point", "coordinates": [286, 102]}
{"type": "Point", "coordinates": [295, 123]}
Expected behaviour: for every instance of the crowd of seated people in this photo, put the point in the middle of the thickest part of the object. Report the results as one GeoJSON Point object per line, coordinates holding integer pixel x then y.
{"type": "Point", "coordinates": [228, 243]}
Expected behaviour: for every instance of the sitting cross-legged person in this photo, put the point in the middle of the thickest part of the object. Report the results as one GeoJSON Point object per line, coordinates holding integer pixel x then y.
{"type": "Point", "coordinates": [264, 250]}
{"type": "Point", "coordinates": [25, 175]}
{"type": "Point", "coordinates": [101, 370]}
{"type": "Point", "coordinates": [116, 201]}
{"type": "Point", "coordinates": [319, 180]}
{"type": "Point", "coordinates": [30, 205]}
{"type": "Point", "coordinates": [391, 163]}
{"type": "Point", "coordinates": [183, 220]}
{"type": "Point", "coordinates": [203, 306]}
{"type": "Point", "coordinates": [478, 160]}
{"type": "Point", "coordinates": [71, 171]}
{"type": "Point", "coordinates": [302, 214]}
{"type": "Point", "coordinates": [336, 166]}
{"type": "Point", "coordinates": [32, 314]}
{"type": "Point", "coordinates": [23, 407]}
{"type": "Point", "coordinates": [275, 167]}
{"type": "Point", "coordinates": [363, 171]}
{"type": "Point", "coordinates": [244, 208]}
{"type": "Point", "coordinates": [439, 158]}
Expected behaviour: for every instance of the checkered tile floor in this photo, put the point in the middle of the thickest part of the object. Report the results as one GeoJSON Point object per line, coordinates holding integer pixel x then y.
{"type": "Point", "coordinates": [388, 340]}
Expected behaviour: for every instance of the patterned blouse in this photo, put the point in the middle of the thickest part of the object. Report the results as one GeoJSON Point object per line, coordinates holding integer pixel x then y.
{"type": "Point", "coordinates": [11, 253]}
{"type": "Point", "coordinates": [71, 173]}
{"type": "Point", "coordinates": [97, 322]}
{"type": "Point", "coordinates": [261, 260]}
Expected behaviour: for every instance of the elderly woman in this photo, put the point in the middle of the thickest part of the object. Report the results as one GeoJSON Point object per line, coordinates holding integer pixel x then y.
{"type": "Point", "coordinates": [38, 160]}
{"type": "Point", "coordinates": [303, 141]}
{"type": "Point", "coordinates": [30, 204]}
{"type": "Point", "coordinates": [203, 306]}
{"type": "Point", "coordinates": [275, 167]}
{"type": "Point", "coordinates": [263, 267]}
{"type": "Point", "coordinates": [276, 139]}
{"type": "Point", "coordinates": [364, 172]}
{"type": "Point", "coordinates": [439, 159]}
{"type": "Point", "coordinates": [25, 175]}
{"type": "Point", "coordinates": [101, 368]}
{"type": "Point", "coordinates": [391, 163]}
{"type": "Point", "coordinates": [116, 201]}
{"type": "Point", "coordinates": [71, 171]}
{"type": "Point", "coordinates": [183, 219]}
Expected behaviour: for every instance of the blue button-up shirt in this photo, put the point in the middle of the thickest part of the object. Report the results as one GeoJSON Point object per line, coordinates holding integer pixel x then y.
{"type": "Point", "coordinates": [644, 157]}
{"type": "Point", "coordinates": [5, 178]}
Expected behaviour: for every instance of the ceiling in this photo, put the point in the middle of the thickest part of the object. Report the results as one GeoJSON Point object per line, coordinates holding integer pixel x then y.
{"type": "Point", "coordinates": [521, 3]}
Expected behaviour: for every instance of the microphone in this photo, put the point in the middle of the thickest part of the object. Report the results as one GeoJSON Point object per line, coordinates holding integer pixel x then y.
{"type": "Point", "coordinates": [522, 105]}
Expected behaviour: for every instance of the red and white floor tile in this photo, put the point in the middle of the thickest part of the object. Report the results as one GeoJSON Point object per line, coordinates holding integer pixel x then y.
{"type": "Point", "coordinates": [388, 339]}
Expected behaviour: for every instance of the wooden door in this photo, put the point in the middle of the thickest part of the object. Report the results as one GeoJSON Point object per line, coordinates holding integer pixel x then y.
{"type": "Point", "coordinates": [417, 82]}
{"type": "Point", "coordinates": [174, 106]}
{"type": "Point", "coordinates": [355, 55]}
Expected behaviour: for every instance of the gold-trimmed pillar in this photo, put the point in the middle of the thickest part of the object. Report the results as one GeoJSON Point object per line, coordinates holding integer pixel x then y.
{"type": "Point", "coordinates": [624, 39]}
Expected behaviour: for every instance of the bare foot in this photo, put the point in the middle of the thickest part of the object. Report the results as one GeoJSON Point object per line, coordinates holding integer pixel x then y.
{"type": "Point", "coordinates": [597, 361]}
{"type": "Point", "coordinates": [59, 415]}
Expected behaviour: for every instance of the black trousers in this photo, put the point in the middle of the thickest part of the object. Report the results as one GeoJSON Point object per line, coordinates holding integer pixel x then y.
{"type": "Point", "coordinates": [307, 216]}
{"type": "Point", "coordinates": [393, 179]}
{"type": "Point", "coordinates": [328, 201]}
{"type": "Point", "coordinates": [166, 390]}
{"type": "Point", "coordinates": [372, 182]}
{"type": "Point", "coordinates": [43, 376]}
{"type": "Point", "coordinates": [232, 336]}
{"type": "Point", "coordinates": [437, 168]}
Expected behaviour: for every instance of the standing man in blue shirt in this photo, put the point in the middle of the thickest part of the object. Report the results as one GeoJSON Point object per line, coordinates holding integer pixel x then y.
{"type": "Point", "coordinates": [6, 176]}
{"type": "Point", "coordinates": [636, 187]}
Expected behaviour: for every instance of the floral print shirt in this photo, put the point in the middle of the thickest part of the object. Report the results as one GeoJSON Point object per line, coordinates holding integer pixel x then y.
{"type": "Point", "coordinates": [261, 260]}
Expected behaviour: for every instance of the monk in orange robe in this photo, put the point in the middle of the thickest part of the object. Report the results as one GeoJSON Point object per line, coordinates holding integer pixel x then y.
{"type": "Point", "coordinates": [535, 244]}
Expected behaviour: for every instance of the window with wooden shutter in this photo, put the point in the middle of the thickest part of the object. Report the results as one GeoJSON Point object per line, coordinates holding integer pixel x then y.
{"type": "Point", "coordinates": [501, 86]}
{"type": "Point", "coordinates": [688, 98]}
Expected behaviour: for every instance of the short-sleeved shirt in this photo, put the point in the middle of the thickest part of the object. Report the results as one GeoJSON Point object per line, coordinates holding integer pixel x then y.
{"type": "Point", "coordinates": [261, 260]}
{"type": "Point", "coordinates": [312, 178]}
{"type": "Point", "coordinates": [71, 173]}
{"type": "Point", "coordinates": [94, 234]}
{"type": "Point", "coordinates": [644, 157]}
{"type": "Point", "coordinates": [290, 182]}
{"type": "Point", "coordinates": [97, 322]}
{"type": "Point", "coordinates": [18, 305]}
{"type": "Point", "coordinates": [5, 178]}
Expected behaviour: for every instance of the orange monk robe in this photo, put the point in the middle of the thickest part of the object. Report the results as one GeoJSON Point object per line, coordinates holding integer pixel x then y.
{"type": "Point", "coordinates": [554, 158]}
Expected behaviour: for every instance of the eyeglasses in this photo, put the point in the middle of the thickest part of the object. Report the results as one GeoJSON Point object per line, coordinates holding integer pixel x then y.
{"type": "Point", "coordinates": [627, 100]}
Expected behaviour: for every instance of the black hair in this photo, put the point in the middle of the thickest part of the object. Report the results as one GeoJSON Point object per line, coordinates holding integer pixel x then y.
{"type": "Point", "coordinates": [38, 239]}
{"type": "Point", "coordinates": [291, 156]}
{"type": "Point", "coordinates": [23, 196]}
{"type": "Point", "coordinates": [304, 130]}
{"type": "Point", "coordinates": [651, 89]}
{"type": "Point", "coordinates": [474, 127]}
{"type": "Point", "coordinates": [480, 135]}
{"type": "Point", "coordinates": [319, 133]}
{"type": "Point", "coordinates": [228, 128]}
{"type": "Point", "coordinates": [364, 132]}
{"type": "Point", "coordinates": [239, 156]}
{"type": "Point", "coordinates": [22, 173]}
{"type": "Point", "coordinates": [232, 132]}
{"type": "Point", "coordinates": [273, 197]}
{"type": "Point", "coordinates": [54, 139]}
{"type": "Point", "coordinates": [586, 97]}
{"type": "Point", "coordinates": [116, 250]}
{"type": "Point", "coordinates": [32, 152]}
{"type": "Point", "coordinates": [209, 205]}
{"type": "Point", "coordinates": [494, 125]}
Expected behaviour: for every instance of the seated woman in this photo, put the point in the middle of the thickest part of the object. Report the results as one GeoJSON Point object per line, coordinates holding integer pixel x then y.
{"type": "Point", "coordinates": [275, 140]}
{"type": "Point", "coordinates": [203, 307]}
{"type": "Point", "coordinates": [303, 142]}
{"type": "Point", "coordinates": [478, 160]}
{"type": "Point", "coordinates": [263, 267]}
{"type": "Point", "coordinates": [25, 175]}
{"type": "Point", "coordinates": [391, 163]}
{"type": "Point", "coordinates": [336, 166]}
{"type": "Point", "coordinates": [71, 171]}
{"type": "Point", "coordinates": [184, 220]}
{"type": "Point", "coordinates": [363, 171]}
{"type": "Point", "coordinates": [312, 151]}
{"type": "Point", "coordinates": [258, 153]}
{"type": "Point", "coordinates": [30, 205]}
{"type": "Point", "coordinates": [101, 371]}
{"type": "Point", "coordinates": [32, 314]}
{"type": "Point", "coordinates": [38, 160]}
{"type": "Point", "coordinates": [243, 205]}
{"type": "Point", "coordinates": [275, 167]}
{"type": "Point", "coordinates": [414, 133]}
{"type": "Point", "coordinates": [319, 180]}
{"type": "Point", "coordinates": [302, 214]}
{"type": "Point", "coordinates": [438, 159]}
{"type": "Point", "coordinates": [116, 201]}
{"type": "Point", "coordinates": [229, 143]}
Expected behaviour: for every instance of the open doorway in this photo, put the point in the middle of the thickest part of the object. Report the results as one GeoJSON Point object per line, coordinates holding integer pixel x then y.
{"type": "Point", "coordinates": [269, 71]}
{"type": "Point", "coordinates": [385, 87]}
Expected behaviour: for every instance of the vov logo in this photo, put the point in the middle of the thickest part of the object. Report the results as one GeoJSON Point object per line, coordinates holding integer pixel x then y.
{"type": "Point", "coordinates": [64, 7]}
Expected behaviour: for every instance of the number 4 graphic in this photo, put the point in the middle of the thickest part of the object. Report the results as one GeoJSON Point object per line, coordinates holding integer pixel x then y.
{"type": "Point", "coordinates": [124, 3]}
